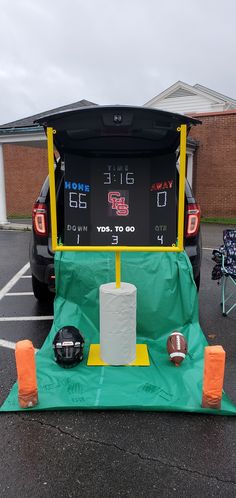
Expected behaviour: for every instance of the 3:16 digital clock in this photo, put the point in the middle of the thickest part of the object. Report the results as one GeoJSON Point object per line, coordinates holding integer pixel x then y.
{"type": "Point", "coordinates": [119, 177]}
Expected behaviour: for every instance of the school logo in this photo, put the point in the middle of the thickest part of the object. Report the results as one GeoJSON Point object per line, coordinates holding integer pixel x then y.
{"type": "Point", "coordinates": [118, 203]}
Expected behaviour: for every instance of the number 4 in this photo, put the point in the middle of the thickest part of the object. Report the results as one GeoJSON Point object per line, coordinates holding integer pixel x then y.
{"type": "Point", "coordinates": [160, 239]}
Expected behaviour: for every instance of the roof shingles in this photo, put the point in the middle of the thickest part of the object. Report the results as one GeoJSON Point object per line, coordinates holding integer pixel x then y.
{"type": "Point", "coordinates": [25, 122]}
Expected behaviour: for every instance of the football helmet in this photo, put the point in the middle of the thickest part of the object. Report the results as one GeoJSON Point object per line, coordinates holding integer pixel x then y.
{"type": "Point", "coordinates": [68, 346]}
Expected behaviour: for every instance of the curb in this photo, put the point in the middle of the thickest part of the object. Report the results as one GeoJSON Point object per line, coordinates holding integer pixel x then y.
{"type": "Point", "coordinates": [15, 226]}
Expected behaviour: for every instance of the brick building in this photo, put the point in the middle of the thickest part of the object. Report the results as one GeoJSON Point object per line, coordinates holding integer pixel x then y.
{"type": "Point", "coordinates": [212, 163]}
{"type": "Point", "coordinates": [23, 163]}
{"type": "Point", "coordinates": [214, 178]}
{"type": "Point", "coordinates": [25, 171]}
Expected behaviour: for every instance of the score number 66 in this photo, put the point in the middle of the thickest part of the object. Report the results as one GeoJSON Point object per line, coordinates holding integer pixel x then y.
{"type": "Point", "coordinates": [79, 202]}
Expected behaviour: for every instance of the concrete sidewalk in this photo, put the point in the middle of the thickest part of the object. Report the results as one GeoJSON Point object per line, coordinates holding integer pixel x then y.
{"type": "Point", "coordinates": [17, 224]}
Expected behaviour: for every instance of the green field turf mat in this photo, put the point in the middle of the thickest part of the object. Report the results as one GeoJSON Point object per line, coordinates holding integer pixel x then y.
{"type": "Point", "coordinates": [167, 300]}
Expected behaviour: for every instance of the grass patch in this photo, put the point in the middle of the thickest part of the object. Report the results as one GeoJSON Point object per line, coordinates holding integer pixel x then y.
{"type": "Point", "coordinates": [19, 216]}
{"type": "Point", "coordinates": [220, 221]}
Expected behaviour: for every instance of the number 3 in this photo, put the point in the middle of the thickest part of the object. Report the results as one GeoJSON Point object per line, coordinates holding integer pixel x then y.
{"type": "Point", "coordinates": [115, 240]}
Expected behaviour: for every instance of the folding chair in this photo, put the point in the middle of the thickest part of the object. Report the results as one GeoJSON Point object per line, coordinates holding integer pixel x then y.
{"type": "Point", "coordinates": [225, 270]}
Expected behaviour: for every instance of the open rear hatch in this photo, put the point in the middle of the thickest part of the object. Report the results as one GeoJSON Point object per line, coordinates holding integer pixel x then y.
{"type": "Point", "coordinates": [100, 130]}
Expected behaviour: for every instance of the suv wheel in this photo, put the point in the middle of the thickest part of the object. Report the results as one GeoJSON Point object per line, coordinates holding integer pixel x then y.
{"type": "Point", "coordinates": [41, 290]}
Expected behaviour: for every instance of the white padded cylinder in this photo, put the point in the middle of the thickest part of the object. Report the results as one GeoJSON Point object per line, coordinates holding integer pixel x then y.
{"type": "Point", "coordinates": [118, 323]}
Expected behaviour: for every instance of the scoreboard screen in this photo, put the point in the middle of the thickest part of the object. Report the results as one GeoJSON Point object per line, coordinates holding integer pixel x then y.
{"type": "Point", "coordinates": [120, 201]}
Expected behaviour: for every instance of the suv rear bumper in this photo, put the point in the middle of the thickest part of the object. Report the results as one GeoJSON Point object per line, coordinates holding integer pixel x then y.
{"type": "Point", "coordinates": [44, 273]}
{"type": "Point", "coordinates": [42, 264]}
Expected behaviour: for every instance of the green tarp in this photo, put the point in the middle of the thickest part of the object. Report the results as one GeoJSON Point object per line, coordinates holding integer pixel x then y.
{"type": "Point", "coordinates": [166, 301]}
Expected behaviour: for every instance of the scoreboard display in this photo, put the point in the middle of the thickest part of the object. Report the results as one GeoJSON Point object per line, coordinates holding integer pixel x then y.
{"type": "Point", "coordinates": [123, 201]}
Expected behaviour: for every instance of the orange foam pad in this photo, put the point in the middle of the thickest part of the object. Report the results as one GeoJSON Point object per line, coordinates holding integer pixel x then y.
{"type": "Point", "coordinates": [26, 373]}
{"type": "Point", "coordinates": [213, 379]}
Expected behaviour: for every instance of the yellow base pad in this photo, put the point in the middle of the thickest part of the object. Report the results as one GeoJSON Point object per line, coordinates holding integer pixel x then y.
{"type": "Point", "coordinates": [142, 358]}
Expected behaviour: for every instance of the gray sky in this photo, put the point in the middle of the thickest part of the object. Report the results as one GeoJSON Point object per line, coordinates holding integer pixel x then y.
{"type": "Point", "coordinates": [55, 52]}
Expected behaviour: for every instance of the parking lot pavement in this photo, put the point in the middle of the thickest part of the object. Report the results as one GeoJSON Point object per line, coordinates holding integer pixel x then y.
{"type": "Point", "coordinates": [13, 253]}
{"type": "Point", "coordinates": [218, 329]}
{"type": "Point", "coordinates": [21, 317]}
{"type": "Point", "coordinates": [113, 453]}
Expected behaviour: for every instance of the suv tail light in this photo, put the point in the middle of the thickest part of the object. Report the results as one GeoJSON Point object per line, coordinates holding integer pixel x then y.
{"type": "Point", "coordinates": [40, 219]}
{"type": "Point", "coordinates": [193, 220]}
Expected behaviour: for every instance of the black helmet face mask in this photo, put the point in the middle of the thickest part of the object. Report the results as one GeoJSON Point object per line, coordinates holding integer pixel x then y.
{"type": "Point", "coordinates": [68, 346]}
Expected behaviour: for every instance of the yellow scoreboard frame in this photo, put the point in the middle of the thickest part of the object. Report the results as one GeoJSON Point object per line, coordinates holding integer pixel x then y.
{"type": "Point", "coordinates": [117, 249]}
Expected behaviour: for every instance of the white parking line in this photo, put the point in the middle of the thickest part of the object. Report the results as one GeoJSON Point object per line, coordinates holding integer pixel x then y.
{"type": "Point", "coordinates": [24, 318]}
{"type": "Point", "coordinates": [10, 345]}
{"type": "Point", "coordinates": [7, 344]}
{"type": "Point", "coordinates": [5, 292]}
{"type": "Point", "coordinates": [13, 281]}
{"type": "Point", "coordinates": [19, 294]}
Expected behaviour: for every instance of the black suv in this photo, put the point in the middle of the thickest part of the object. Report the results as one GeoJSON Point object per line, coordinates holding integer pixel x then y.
{"type": "Point", "coordinates": [97, 132]}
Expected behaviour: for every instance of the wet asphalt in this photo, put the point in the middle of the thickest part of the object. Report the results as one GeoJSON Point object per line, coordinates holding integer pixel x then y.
{"type": "Point", "coordinates": [113, 453]}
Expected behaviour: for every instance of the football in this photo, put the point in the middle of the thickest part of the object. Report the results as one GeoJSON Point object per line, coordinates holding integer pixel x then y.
{"type": "Point", "coordinates": [177, 347]}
